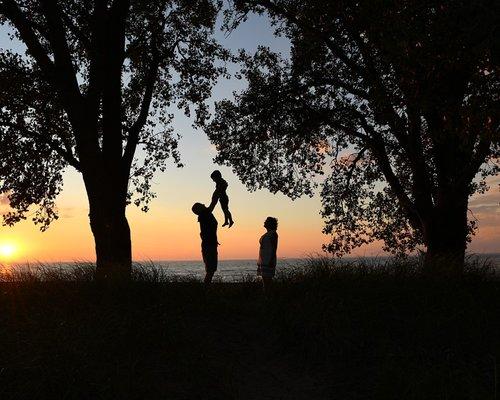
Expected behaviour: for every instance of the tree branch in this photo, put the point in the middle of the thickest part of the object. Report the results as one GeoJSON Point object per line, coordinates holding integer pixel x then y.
{"type": "Point", "coordinates": [66, 154]}
{"type": "Point", "coordinates": [387, 112]}
{"type": "Point", "coordinates": [422, 185]}
{"type": "Point", "coordinates": [376, 145]}
{"type": "Point", "coordinates": [141, 120]}
{"type": "Point", "coordinates": [479, 156]}
{"type": "Point", "coordinates": [384, 163]}
{"type": "Point", "coordinates": [77, 32]}
{"type": "Point", "coordinates": [96, 69]}
{"type": "Point", "coordinates": [336, 50]}
{"type": "Point", "coordinates": [114, 39]}
{"type": "Point", "coordinates": [335, 81]}
{"type": "Point", "coordinates": [62, 58]}
{"type": "Point", "coordinates": [16, 16]}
{"type": "Point", "coordinates": [359, 156]}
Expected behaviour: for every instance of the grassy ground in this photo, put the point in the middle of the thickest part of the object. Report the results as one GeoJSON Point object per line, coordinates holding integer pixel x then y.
{"type": "Point", "coordinates": [330, 332]}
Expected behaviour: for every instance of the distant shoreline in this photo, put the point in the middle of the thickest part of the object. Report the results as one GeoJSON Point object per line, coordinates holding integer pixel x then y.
{"type": "Point", "coordinates": [282, 259]}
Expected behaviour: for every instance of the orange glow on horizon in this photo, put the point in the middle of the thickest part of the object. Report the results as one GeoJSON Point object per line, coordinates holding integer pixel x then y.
{"type": "Point", "coordinates": [8, 250]}
{"type": "Point", "coordinates": [170, 231]}
{"type": "Point", "coordinates": [173, 234]}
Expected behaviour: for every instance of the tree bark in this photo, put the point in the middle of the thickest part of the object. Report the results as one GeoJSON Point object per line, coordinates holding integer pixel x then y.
{"type": "Point", "coordinates": [111, 232]}
{"type": "Point", "coordinates": [113, 246]}
{"type": "Point", "coordinates": [445, 234]}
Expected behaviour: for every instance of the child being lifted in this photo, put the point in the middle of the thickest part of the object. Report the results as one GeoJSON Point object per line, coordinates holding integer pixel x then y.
{"type": "Point", "coordinates": [221, 195]}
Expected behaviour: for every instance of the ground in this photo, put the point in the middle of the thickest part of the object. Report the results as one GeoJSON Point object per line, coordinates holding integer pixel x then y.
{"type": "Point", "coordinates": [333, 333]}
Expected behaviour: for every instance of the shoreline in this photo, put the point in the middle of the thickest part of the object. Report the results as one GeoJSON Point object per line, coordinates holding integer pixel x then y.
{"type": "Point", "coordinates": [494, 255]}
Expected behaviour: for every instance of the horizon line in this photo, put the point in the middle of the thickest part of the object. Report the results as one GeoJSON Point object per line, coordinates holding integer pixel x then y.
{"type": "Point", "coordinates": [497, 253]}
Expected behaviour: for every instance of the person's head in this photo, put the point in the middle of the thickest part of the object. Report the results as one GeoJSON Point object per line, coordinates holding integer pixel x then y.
{"type": "Point", "coordinates": [198, 208]}
{"type": "Point", "coordinates": [216, 175]}
{"type": "Point", "coordinates": [271, 223]}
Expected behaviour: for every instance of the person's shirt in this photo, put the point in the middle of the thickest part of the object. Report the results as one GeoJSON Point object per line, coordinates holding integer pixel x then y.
{"type": "Point", "coordinates": [220, 188]}
{"type": "Point", "coordinates": [208, 228]}
{"type": "Point", "coordinates": [267, 251]}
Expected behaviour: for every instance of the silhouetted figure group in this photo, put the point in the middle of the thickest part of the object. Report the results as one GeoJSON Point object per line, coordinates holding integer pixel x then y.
{"type": "Point", "coordinates": [266, 264]}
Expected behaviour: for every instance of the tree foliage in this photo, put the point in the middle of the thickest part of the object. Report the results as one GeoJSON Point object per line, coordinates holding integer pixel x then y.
{"type": "Point", "coordinates": [397, 102]}
{"type": "Point", "coordinates": [99, 80]}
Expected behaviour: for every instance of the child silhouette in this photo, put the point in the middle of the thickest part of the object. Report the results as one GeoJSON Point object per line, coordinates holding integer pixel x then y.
{"type": "Point", "coordinates": [221, 195]}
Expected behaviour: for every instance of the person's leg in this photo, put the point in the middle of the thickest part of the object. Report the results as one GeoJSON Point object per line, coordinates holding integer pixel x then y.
{"type": "Point", "coordinates": [208, 277]}
{"type": "Point", "coordinates": [228, 218]}
{"type": "Point", "coordinates": [227, 215]}
{"type": "Point", "coordinates": [267, 283]}
{"type": "Point", "coordinates": [210, 258]}
{"type": "Point", "coordinates": [224, 204]}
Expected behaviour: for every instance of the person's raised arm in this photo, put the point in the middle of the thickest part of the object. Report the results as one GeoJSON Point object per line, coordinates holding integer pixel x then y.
{"type": "Point", "coordinates": [215, 199]}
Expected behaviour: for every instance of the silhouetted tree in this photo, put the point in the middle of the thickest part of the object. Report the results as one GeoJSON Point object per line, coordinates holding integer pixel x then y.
{"type": "Point", "coordinates": [397, 100]}
{"type": "Point", "coordinates": [95, 85]}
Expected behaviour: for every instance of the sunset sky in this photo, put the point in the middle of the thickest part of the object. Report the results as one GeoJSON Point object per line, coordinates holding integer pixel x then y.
{"type": "Point", "coordinates": [169, 231]}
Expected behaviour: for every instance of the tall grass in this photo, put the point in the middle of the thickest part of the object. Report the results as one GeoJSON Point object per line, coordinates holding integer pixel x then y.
{"type": "Point", "coordinates": [327, 330]}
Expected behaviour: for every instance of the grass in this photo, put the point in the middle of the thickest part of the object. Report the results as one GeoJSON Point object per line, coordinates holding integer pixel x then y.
{"type": "Point", "coordinates": [326, 331]}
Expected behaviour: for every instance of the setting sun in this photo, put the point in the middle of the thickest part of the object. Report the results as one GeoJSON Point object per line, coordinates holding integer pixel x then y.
{"type": "Point", "coordinates": [8, 250]}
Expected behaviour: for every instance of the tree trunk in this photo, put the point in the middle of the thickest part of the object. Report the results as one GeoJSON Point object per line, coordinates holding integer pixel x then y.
{"type": "Point", "coordinates": [446, 234]}
{"type": "Point", "coordinates": [111, 234]}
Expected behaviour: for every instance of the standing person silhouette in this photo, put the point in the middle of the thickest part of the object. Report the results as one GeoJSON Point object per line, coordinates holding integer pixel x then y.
{"type": "Point", "coordinates": [220, 194]}
{"type": "Point", "coordinates": [208, 234]}
{"type": "Point", "coordinates": [266, 264]}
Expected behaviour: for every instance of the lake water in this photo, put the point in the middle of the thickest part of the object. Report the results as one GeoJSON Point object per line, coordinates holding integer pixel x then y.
{"type": "Point", "coordinates": [227, 270]}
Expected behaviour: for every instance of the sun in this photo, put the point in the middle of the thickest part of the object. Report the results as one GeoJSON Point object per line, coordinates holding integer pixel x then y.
{"type": "Point", "coordinates": [8, 250]}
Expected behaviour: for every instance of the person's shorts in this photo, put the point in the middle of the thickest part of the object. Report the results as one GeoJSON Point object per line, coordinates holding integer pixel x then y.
{"type": "Point", "coordinates": [209, 254]}
{"type": "Point", "coordinates": [266, 271]}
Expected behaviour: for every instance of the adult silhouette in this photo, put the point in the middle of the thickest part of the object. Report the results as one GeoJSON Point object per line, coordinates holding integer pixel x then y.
{"type": "Point", "coordinates": [208, 234]}
{"type": "Point", "coordinates": [267, 253]}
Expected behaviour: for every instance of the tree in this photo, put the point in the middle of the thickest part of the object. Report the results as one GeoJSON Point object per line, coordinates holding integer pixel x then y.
{"type": "Point", "coordinates": [397, 100]}
{"type": "Point", "coordinates": [94, 86]}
